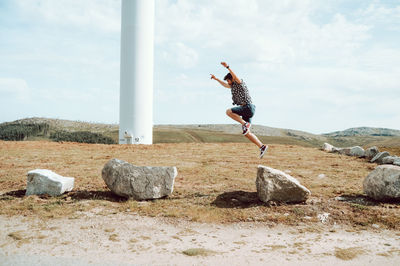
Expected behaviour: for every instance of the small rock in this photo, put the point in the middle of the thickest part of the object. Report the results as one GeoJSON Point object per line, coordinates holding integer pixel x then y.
{"type": "Point", "coordinates": [138, 182]}
{"type": "Point", "coordinates": [376, 226]}
{"type": "Point", "coordinates": [340, 198]}
{"type": "Point", "coordinates": [327, 147]}
{"type": "Point", "coordinates": [371, 152]}
{"type": "Point", "coordinates": [383, 183]}
{"type": "Point", "coordinates": [344, 151]}
{"type": "Point", "coordinates": [321, 176]}
{"type": "Point", "coordinates": [275, 185]}
{"type": "Point", "coordinates": [390, 159]}
{"type": "Point", "coordinates": [379, 157]}
{"type": "Point", "coordinates": [323, 217]}
{"type": "Point", "coordinates": [43, 181]}
{"type": "Point", "coordinates": [357, 151]}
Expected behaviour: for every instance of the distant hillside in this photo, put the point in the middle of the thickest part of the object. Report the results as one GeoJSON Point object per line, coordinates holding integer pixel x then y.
{"type": "Point", "coordinates": [67, 130]}
{"type": "Point", "coordinates": [365, 131]}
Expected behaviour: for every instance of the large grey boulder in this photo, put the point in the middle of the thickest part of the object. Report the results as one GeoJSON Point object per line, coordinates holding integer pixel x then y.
{"type": "Point", "coordinates": [371, 152]}
{"type": "Point", "coordinates": [379, 157]}
{"type": "Point", "coordinates": [43, 181]}
{"type": "Point", "coordinates": [357, 151]}
{"type": "Point", "coordinates": [275, 185]}
{"type": "Point", "coordinates": [138, 182]}
{"type": "Point", "coordinates": [328, 147]}
{"type": "Point", "coordinates": [383, 183]}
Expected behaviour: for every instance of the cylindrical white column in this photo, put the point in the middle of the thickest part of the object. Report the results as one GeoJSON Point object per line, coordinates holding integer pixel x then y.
{"type": "Point", "coordinates": [136, 88]}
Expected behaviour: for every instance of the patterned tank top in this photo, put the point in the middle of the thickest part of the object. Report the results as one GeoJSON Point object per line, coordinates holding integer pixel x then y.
{"type": "Point", "coordinates": [240, 94]}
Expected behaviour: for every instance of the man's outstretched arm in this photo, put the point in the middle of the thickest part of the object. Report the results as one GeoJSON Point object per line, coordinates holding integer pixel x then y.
{"type": "Point", "coordinates": [235, 78]}
{"type": "Point", "coordinates": [226, 85]}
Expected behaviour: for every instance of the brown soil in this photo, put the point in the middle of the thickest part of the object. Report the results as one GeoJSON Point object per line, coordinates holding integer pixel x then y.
{"type": "Point", "coordinates": [215, 183]}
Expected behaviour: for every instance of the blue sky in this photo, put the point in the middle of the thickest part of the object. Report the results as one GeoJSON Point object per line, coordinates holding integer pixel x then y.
{"type": "Point", "coordinates": [311, 65]}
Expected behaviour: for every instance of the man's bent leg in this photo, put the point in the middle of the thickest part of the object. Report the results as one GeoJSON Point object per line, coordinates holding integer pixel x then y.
{"type": "Point", "coordinates": [234, 116]}
{"type": "Point", "coordinates": [253, 138]}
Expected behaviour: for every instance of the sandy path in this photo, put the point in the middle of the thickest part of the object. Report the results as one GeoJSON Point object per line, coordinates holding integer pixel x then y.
{"type": "Point", "coordinates": [126, 239]}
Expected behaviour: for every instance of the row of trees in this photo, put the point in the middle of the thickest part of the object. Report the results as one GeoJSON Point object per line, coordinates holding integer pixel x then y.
{"type": "Point", "coordinates": [81, 136]}
{"type": "Point", "coordinates": [17, 131]}
{"type": "Point", "coordinates": [20, 132]}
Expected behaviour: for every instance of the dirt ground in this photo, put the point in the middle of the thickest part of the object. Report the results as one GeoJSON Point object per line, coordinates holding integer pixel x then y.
{"type": "Point", "coordinates": [213, 214]}
{"type": "Point", "coordinates": [129, 239]}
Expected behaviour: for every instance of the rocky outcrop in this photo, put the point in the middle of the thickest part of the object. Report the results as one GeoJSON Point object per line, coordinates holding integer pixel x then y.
{"type": "Point", "coordinates": [43, 181]}
{"type": "Point", "coordinates": [138, 182]}
{"type": "Point", "coordinates": [383, 183]}
{"type": "Point", "coordinates": [275, 185]}
{"type": "Point", "coordinates": [379, 157]}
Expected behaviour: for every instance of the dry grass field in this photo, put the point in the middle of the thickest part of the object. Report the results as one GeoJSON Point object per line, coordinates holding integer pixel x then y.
{"type": "Point", "coordinates": [215, 183]}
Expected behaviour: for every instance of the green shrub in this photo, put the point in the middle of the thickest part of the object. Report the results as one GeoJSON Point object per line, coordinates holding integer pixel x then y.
{"type": "Point", "coordinates": [81, 136]}
{"type": "Point", "coordinates": [18, 131]}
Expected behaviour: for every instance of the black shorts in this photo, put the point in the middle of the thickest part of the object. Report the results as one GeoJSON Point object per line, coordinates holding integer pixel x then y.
{"type": "Point", "coordinates": [246, 111]}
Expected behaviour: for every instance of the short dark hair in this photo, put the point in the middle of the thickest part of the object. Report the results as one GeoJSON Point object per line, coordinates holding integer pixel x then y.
{"type": "Point", "coordinates": [228, 76]}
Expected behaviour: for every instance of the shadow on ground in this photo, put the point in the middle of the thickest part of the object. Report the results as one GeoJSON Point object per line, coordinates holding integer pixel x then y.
{"type": "Point", "coordinates": [74, 195]}
{"type": "Point", "coordinates": [364, 200]}
{"type": "Point", "coordinates": [237, 199]}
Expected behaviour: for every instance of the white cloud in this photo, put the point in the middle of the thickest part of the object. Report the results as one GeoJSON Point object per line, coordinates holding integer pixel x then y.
{"type": "Point", "coordinates": [14, 87]}
{"type": "Point", "coordinates": [377, 13]}
{"type": "Point", "coordinates": [181, 55]}
{"type": "Point", "coordinates": [101, 15]}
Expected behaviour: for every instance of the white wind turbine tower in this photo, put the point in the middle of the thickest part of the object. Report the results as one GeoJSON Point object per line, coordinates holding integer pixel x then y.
{"type": "Point", "coordinates": [136, 88]}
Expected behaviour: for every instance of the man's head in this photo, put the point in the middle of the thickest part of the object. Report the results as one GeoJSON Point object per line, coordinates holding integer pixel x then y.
{"type": "Point", "coordinates": [229, 78]}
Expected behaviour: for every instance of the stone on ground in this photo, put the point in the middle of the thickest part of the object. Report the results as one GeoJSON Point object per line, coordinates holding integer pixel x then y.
{"type": "Point", "coordinates": [139, 182]}
{"type": "Point", "coordinates": [275, 185]}
{"type": "Point", "coordinates": [383, 183]}
{"type": "Point", "coordinates": [43, 181]}
{"type": "Point", "coordinates": [327, 147]}
{"type": "Point", "coordinates": [371, 152]}
{"type": "Point", "coordinates": [379, 157]}
{"type": "Point", "coordinates": [357, 151]}
{"type": "Point", "coordinates": [344, 151]}
{"type": "Point", "coordinates": [390, 159]}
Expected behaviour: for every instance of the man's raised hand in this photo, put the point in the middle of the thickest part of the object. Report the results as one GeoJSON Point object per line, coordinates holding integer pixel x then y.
{"type": "Point", "coordinates": [224, 64]}
{"type": "Point", "coordinates": [213, 77]}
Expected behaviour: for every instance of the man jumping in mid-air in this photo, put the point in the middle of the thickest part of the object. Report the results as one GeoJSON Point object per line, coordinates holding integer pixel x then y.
{"type": "Point", "coordinates": [245, 109]}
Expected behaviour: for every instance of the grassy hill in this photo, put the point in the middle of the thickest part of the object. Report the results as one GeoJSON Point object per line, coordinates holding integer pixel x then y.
{"type": "Point", "coordinates": [211, 133]}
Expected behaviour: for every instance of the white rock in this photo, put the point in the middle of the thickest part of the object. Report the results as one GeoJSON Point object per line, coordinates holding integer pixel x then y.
{"type": "Point", "coordinates": [383, 183]}
{"type": "Point", "coordinates": [323, 217]}
{"type": "Point", "coordinates": [139, 182]}
{"type": "Point", "coordinates": [275, 185]}
{"type": "Point", "coordinates": [321, 176]}
{"type": "Point", "coordinates": [327, 147]}
{"type": "Point", "coordinates": [43, 181]}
